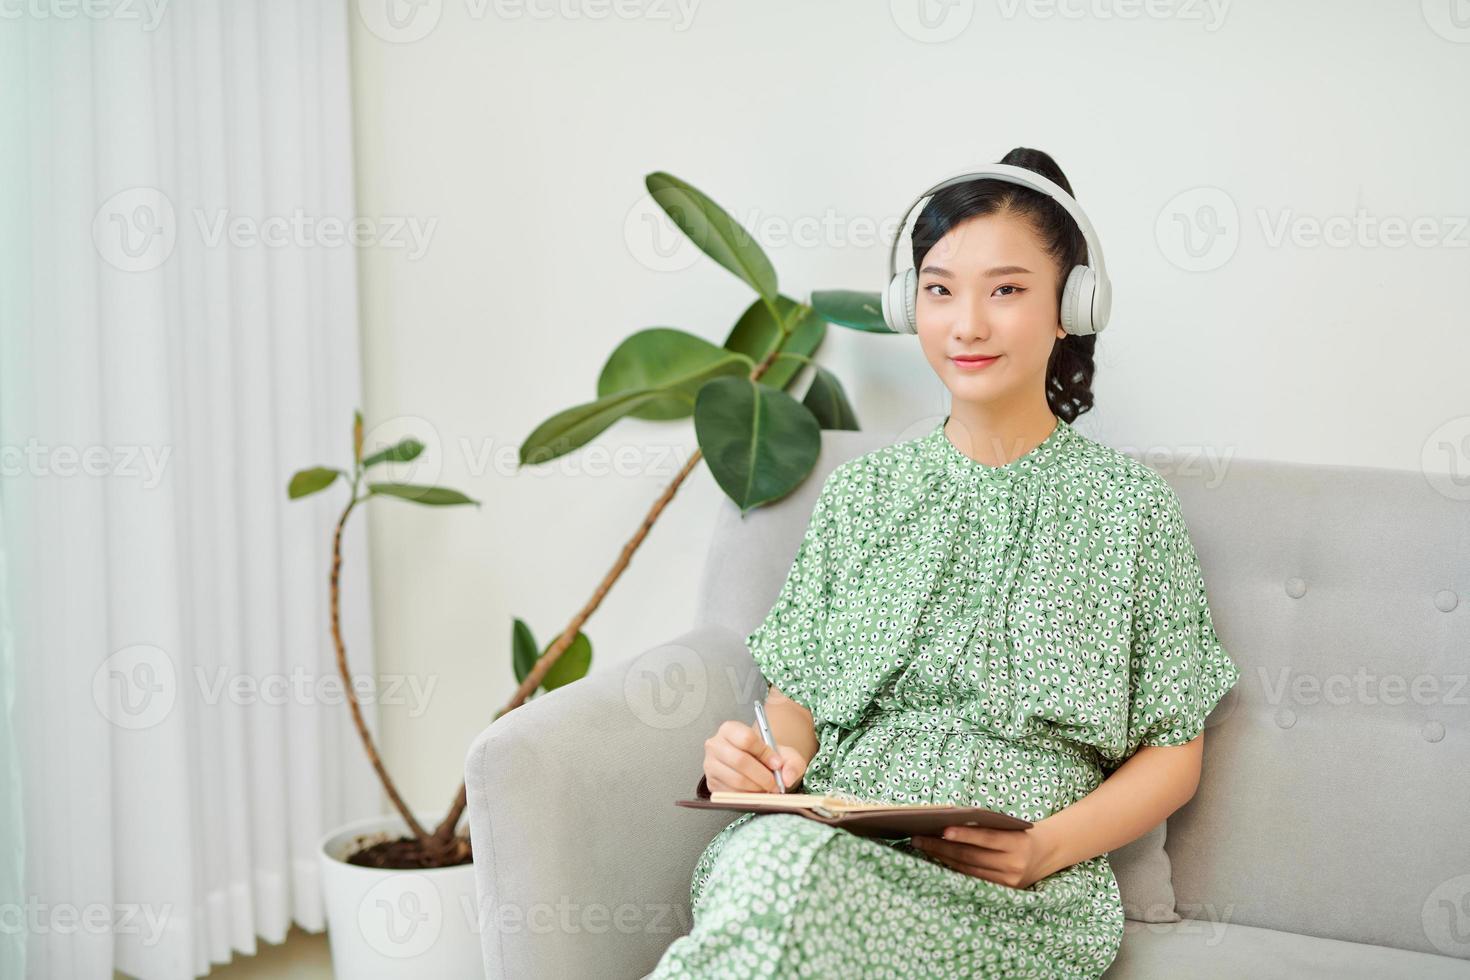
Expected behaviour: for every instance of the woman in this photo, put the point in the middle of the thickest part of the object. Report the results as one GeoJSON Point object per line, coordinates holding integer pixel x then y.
{"type": "Point", "coordinates": [1001, 612]}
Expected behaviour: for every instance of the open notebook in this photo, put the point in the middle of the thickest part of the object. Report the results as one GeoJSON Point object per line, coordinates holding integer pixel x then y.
{"type": "Point", "coordinates": [863, 817]}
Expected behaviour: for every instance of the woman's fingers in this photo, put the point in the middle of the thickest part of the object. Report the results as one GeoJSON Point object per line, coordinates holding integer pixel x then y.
{"type": "Point", "coordinates": [741, 770]}
{"type": "Point", "coordinates": [793, 766]}
{"type": "Point", "coordinates": [988, 837]}
{"type": "Point", "coordinates": [748, 738]}
{"type": "Point", "coordinates": [723, 776]}
{"type": "Point", "coordinates": [982, 862]}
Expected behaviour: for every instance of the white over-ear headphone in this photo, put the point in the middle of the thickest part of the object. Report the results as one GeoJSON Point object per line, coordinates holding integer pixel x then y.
{"type": "Point", "coordinates": [1087, 298]}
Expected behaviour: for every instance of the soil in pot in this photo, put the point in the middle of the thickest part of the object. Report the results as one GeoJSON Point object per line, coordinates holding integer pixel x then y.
{"type": "Point", "coordinates": [405, 853]}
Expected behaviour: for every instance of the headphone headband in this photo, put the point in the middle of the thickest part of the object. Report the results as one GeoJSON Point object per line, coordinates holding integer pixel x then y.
{"type": "Point", "coordinates": [1101, 298]}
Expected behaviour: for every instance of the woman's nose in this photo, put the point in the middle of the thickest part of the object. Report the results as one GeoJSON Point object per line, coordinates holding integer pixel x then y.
{"type": "Point", "coordinates": [970, 321]}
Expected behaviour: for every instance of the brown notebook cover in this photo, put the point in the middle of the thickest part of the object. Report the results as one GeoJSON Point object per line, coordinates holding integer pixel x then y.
{"type": "Point", "coordinates": [889, 824]}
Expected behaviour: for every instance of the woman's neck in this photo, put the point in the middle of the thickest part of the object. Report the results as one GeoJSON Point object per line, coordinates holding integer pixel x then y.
{"type": "Point", "coordinates": [996, 437]}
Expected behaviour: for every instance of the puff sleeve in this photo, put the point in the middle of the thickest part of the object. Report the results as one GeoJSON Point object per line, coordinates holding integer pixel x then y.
{"type": "Point", "coordinates": [1178, 670]}
{"type": "Point", "coordinates": [789, 646]}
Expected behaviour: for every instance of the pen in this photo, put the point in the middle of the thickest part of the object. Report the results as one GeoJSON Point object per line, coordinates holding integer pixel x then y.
{"type": "Point", "coordinates": [765, 727]}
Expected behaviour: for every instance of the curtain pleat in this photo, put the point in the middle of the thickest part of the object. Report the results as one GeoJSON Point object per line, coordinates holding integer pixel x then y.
{"type": "Point", "coordinates": [180, 757]}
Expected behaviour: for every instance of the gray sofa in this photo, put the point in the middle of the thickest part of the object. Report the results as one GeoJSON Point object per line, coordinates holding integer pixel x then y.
{"type": "Point", "coordinates": [1330, 836]}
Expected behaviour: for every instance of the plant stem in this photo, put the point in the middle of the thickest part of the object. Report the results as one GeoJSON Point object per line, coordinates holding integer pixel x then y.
{"type": "Point", "coordinates": [444, 833]}
{"type": "Point", "coordinates": [362, 731]}
{"type": "Point", "coordinates": [795, 356]}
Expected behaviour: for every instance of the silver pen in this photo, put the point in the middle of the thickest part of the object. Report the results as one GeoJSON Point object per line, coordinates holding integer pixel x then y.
{"type": "Point", "coordinates": [765, 727]}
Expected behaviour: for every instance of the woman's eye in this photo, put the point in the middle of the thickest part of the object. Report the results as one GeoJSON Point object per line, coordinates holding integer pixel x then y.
{"type": "Point", "coordinates": [1016, 288]}
{"type": "Point", "coordinates": [935, 285]}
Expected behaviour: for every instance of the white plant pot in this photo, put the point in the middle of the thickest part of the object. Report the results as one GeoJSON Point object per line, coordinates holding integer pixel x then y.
{"type": "Point", "coordinates": [386, 925]}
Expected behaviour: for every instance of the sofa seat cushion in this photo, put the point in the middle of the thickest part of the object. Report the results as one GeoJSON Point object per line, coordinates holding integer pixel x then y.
{"type": "Point", "coordinates": [1208, 950]}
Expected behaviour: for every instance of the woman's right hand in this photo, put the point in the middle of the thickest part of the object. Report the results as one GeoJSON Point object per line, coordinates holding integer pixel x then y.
{"type": "Point", "coordinates": [737, 759]}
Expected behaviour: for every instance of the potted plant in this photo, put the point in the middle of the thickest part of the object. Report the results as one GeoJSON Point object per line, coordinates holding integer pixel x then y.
{"type": "Point", "coordinates": [758, 441]}
{"type": "Point", "coordinates": [392, 883]}
{"type": "Point", "coordinates": [400, 890]}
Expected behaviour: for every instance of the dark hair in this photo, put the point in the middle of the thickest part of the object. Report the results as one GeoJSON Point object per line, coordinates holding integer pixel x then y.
{"type": "Point", "coordinates": [1069, 371]}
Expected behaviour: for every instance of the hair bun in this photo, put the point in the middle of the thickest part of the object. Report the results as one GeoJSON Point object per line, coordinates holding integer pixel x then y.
{"type": "Point", "coordinates": [1038, 161]}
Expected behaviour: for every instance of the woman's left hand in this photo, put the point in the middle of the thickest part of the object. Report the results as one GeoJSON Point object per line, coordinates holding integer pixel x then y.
{"type": "Point", "coordinates": [1016, 858]}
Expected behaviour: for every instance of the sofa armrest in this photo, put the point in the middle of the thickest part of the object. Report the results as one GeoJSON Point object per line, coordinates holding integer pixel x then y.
{"type": "Point", "coordinates": [582, 860]}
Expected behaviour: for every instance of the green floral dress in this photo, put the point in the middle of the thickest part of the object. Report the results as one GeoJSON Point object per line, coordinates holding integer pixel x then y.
{"type": "Point", "coordinates": [996, 636]}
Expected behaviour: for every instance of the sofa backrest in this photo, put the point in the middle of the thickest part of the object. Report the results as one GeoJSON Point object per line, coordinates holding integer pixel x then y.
{"type": "Point", "coordinates": [749, 556]}
{"type": "Point", "coordinates": [1335, 798]}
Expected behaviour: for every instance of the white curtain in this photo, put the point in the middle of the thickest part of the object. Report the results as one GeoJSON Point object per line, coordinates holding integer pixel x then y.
{"type": "Point", "coordinates": [178, 334]}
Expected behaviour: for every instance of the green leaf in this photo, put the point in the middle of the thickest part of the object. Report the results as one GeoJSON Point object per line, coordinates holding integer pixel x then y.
{"type": "Point", "coordinates": [522, 649]}
{"type": "Point", "coordinates": [431, 496]}
{"type": "Point", "coordinates": [756, 332]}
{"type": "Point", "coordinates": [578, 425]}
{"type": "Point", "coordinates": [307, 482]}
{"type": "Point", "coordinates": [572, 665]}
{"type": "Point", "coordinates": [716, 233]}
{"type": "Point", "coordinates": [758, 442]}
{"type": "Point", "coordinates": [672, 361]}
{"type": "Point", "coordinates": [847, 308]}
{"type": "Point", "coordinates": [402, 452]}
{"type": "Point", "coordinates": [826, 400]}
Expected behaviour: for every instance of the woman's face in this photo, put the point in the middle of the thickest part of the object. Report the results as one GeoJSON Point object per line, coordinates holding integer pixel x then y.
{"type": "Point", "coordinates": [988, 287]}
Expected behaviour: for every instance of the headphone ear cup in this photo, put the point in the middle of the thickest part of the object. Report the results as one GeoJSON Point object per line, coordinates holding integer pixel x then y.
{"type": "Point", "coordinates": [911, 300]}
{"type": "Point", "coordinates": [899, 301]}
{"type": "Point", "coordinates": [888, 316]}
{"type": "Point", "coordinates": [1077, 301]}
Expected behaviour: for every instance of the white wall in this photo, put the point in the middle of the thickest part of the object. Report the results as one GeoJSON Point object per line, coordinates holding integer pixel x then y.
{"type": "Point", "coordinates": [527, 139]}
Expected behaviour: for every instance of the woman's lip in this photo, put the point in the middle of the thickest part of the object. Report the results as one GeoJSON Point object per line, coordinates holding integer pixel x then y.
{"type": "Point", "coordinates": [974, 363]}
